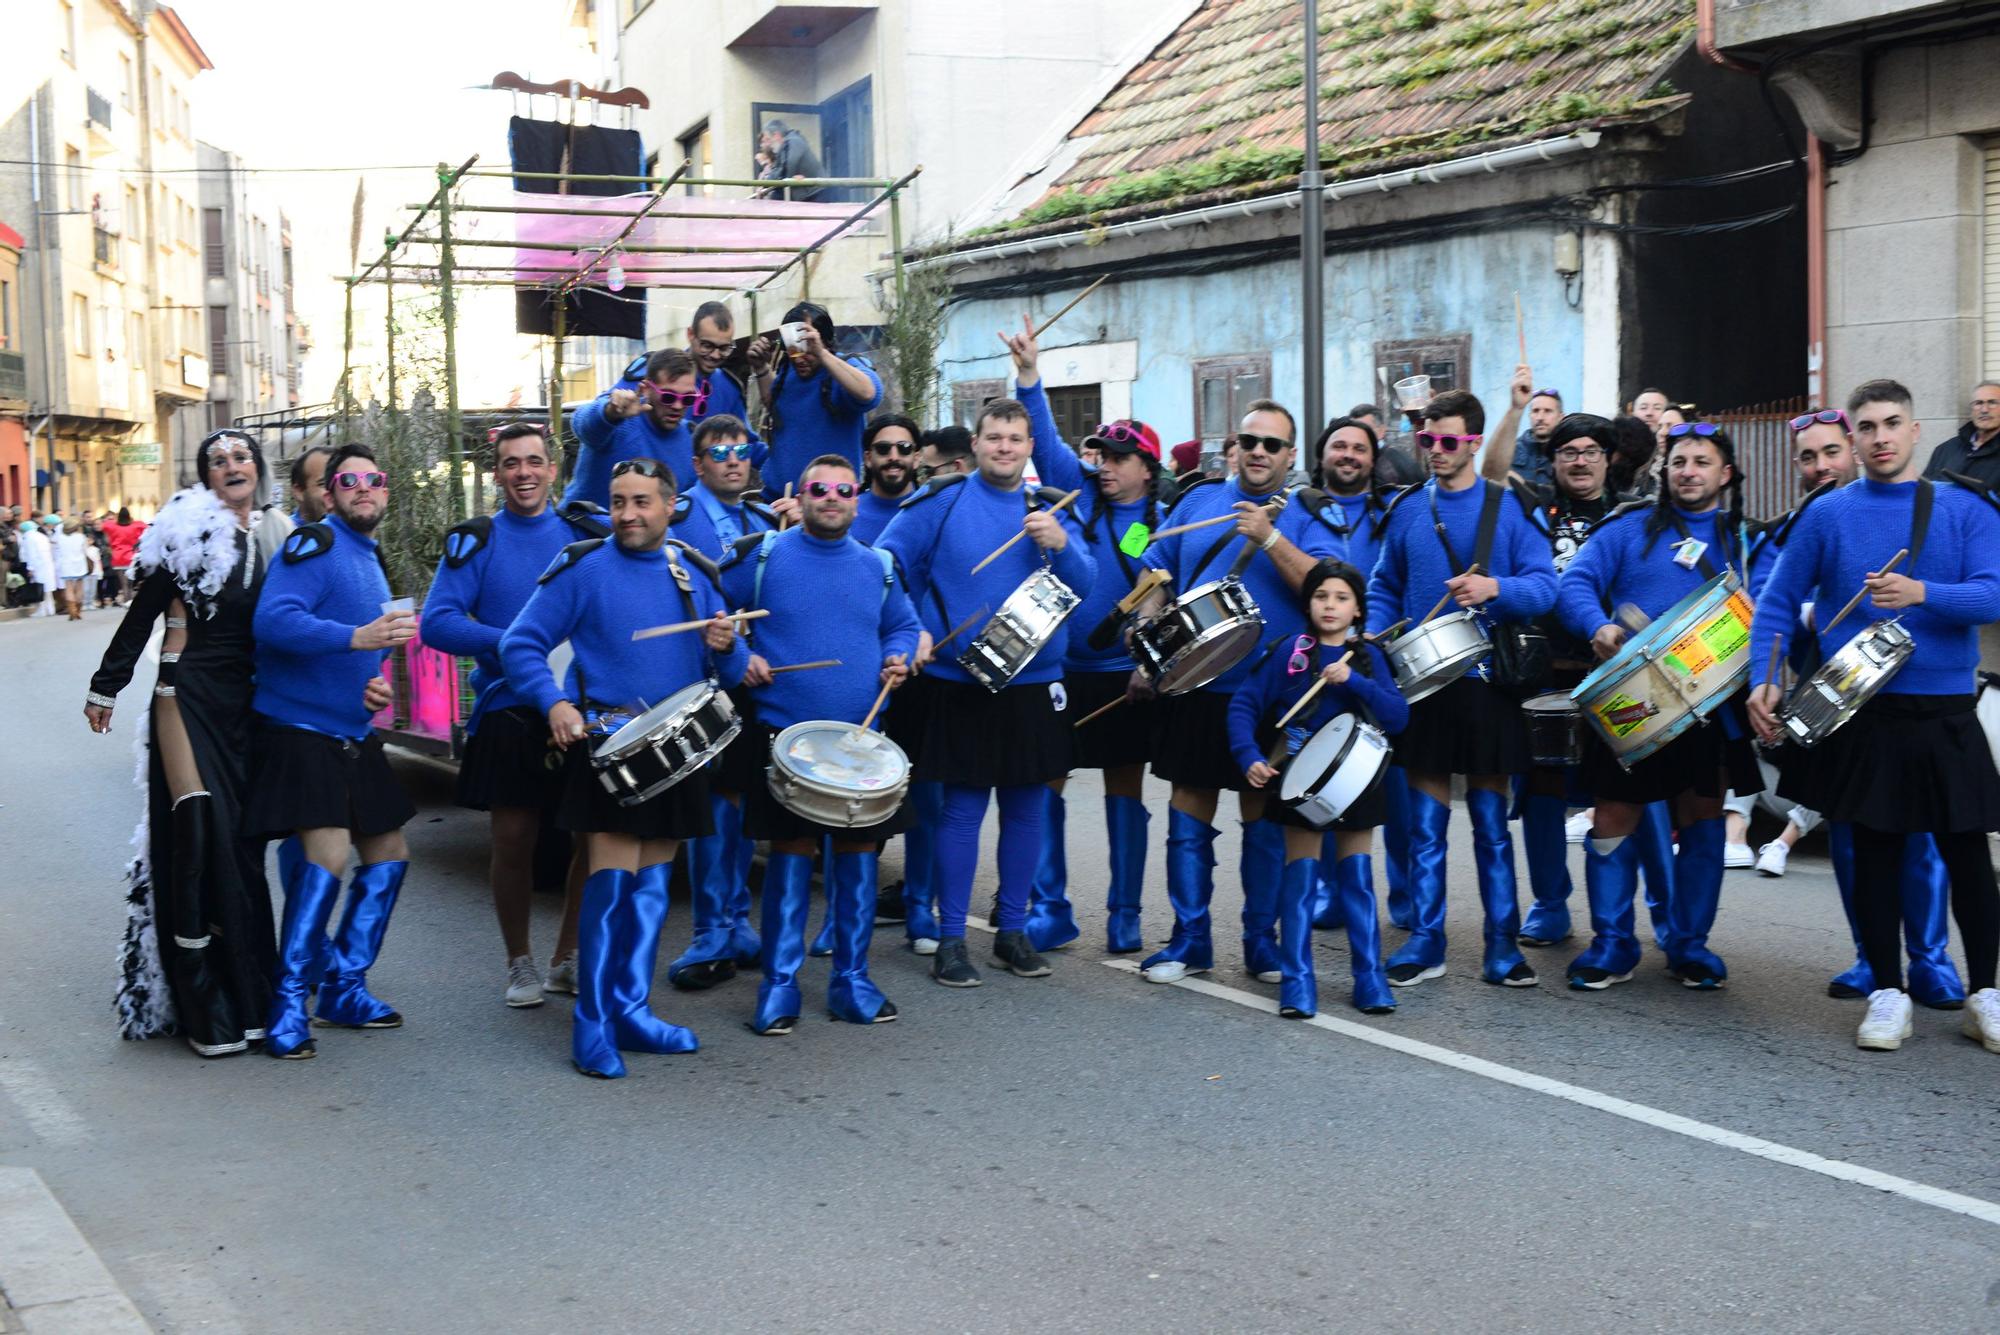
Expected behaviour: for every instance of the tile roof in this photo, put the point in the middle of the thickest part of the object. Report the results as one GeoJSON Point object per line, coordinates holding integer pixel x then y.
{"type": "Point", "coordinates": [1218, 105]}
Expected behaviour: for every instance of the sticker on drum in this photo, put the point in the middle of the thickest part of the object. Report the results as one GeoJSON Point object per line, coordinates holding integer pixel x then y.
{"type": "Point", "coordinates": [830, 755]}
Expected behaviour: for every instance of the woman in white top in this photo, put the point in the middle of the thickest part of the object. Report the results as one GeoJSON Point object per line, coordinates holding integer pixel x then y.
{"type": "Point", "coordinates": [72, 566]}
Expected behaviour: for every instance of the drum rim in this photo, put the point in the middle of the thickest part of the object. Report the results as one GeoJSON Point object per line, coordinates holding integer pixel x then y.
{"type": "Point", "coordinates": [1724, 582]}
{"type": "Point", "coordinates": [605, 753]}
{"type": "Point", "coordinates": [1354, 727]}
{"type": "Point", "coordinates": [1362, 729]}
{"type": "Point", "coordinates": [1202, 641]}
{"type": "Point", "coordinates": [1902, 647]}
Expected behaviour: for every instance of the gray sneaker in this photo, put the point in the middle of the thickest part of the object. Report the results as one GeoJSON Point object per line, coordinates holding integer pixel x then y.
{"type": "Point", "coordinates": [562, 976]}
{"type": "Point", "coordinates": [524, 982]}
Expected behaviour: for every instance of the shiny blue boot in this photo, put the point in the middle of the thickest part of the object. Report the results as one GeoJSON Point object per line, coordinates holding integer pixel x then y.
{"type": "Point", "coordinates": [1396, 847]}
{"type": "Point", "coordinates": [1326, 908]}
{"type": "Point", "coordinates": [635, 952]}
{"type": "Point", "coordinates": [787, 906]}
{"type": "Point", "coordinates": [291, 857]}
{"type": "Point", "coordinates": [711, 864]}
{"type": "Point", "coordinates": [1422, 956]}
{"type": "Point", "coordinates": [920, 921]}
{"type": "Point", "coordinates": [1354, 879]}
{"type": "Point", "coordinates": [1051, 923]}
{"type": "Point", "coordinates": [1859, 980]}
{"type": "Point", "coordinates": [1656, 860]}
{"type": "Point", "coordinates": [310, 894]}
{"type": "Point", "coordinates": [850, 993]}
{"type": "Point", "coordinates": [343, 998]}
{"type": "Point", "coordinates": [1190, 886]}
{"type": "Point", "coordinates": [1546, 845]}
{"type": "Point", "coordinates": [1262, 866]}
{"type": "Point", "coordinates": [593, 1047]}
{"type": "Point", "coordinates": [822, 945]}
{"type": "Point", "coordinates": [1499, 891]}
{"type": "Point", "coordinates": [1697, 895]}
{"type": "Point", "coordinates": [743, 944]}
{"type": "Point", "coordinates": [1125, 822]}
{"type": "Point", "coordinates": [1298, 988]}
{"type": "Point", "coordinates": [1934, 979]}
{"type": "Point", "coordinates": [1610, 880]}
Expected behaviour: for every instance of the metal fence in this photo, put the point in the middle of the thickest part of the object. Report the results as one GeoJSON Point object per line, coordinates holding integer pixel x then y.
{"type": "Point", "coordinates": [1763, 437]}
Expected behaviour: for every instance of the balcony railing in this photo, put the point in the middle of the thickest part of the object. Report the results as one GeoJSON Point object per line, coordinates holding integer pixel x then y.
{"type": "Point", "coordinates": [104, 245]}
{"type": "Point", "coordinates": [13, 376]}
{"type": "Point", "coordinates": [100, 107]}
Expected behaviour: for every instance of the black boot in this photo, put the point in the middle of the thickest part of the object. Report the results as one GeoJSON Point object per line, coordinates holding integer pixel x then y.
{"type": "Point", "coordinates": [206, 1018]}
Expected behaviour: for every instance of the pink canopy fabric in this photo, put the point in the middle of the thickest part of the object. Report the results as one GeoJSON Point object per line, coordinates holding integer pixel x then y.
{"type": "Point", "coordinates": [753, 247]}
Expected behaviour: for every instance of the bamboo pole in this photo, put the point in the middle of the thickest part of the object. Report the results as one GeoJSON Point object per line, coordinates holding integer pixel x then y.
{"type": "Point", "coordinates": [389, 319]}
{"type": "Point", "coordinates": [448, 307]}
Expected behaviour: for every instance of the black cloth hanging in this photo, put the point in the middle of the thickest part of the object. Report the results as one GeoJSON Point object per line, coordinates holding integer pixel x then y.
{"type": "Point", "coordinates": [581, 150]}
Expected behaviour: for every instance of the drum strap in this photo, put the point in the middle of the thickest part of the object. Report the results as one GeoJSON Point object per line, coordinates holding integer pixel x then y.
{"type": "Point", "coordinates": [1920, 519]}
{"type": "Point", "coordinates": [1482, 541]}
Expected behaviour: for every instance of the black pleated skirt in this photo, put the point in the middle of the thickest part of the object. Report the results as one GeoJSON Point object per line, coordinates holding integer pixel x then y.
{"type": "Point", "coordinates": [1126, 735]}
{"type": "Point", "coordinates": [509, 762]}
{"type": "Point", "coordinates": [1469, 727]}
{"type": "Point", "coordinates": [681, 812]}
{"type": "Point", "coordinates": [302, 780]}
{"type": "Point", "coordinates": [1704, 760]}
{"type": "Point", "coordinates": [1192, 749]}
{"type": "Point", "coordinates": [1911, 764]}
{"type": "Point", "coordinates": [984, 739]}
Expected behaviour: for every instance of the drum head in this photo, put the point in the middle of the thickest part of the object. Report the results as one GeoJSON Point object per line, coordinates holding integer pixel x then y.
{"type": "Point", "coordinates": [648, 723]}
{"type": "Point", "coordinates": [1220, 649]}
{"type": "Point", "coordinates": [830, 754]}
{"type": "Point", "coordinates": [1550, 702]}
{"type": "Point", "coordinates": [1321, 751]}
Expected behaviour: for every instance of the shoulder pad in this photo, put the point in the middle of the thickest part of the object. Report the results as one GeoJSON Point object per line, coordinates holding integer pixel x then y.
{"type": "Point", "coordinates": [588, 516]}
{"type": "Point", "coordinates": [1530, 499]}
{"type": "Point", "coordinates": [1624, 508]}
{"type": "Point", "coordinates": [569, 556]}
{"type": "Point", "coordinates": [683, 507]}
{"type": "Point", "coordinates": [742, 549]}
{"type": "Point", "coordinates": [1189, 488]}
{"type": "Point", "coordinates": [466, 540]}
{"type": "Point", "coordinates": [1971, 484]}
{"type": "Point", "coordinates": [1402, 494]}
{"type": "Point", "coordinates": [931, 488]}
{"type": "Point", "coordinates": [1050, 495]}
{"type": "Point", "coordinates": [1319, 505]}
{"type": "Point", "coordinates": [694, 557]}
{"type": "Point", "coordinates": [307, 542]}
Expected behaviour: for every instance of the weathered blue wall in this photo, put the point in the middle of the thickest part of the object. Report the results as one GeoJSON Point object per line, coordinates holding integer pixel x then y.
{"type": "Point", "coordinates": [1454, 284]}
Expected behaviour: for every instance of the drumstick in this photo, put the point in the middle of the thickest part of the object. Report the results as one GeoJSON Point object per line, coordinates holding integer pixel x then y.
{"type": "Point", "coordinates": [995, 555]}
{"type": "Point", "coordinates": [1229, 518]}
{"type": "Point", "coordinates": [1318, 682]}
{"type": "Point", "coordinates": [801, 667]}
{"type": "Point", "coordinates": [1072, 305]}
{"type": "Point", "coordinates": [786, 522]}
{"type": "Point", "coordinates": [963, 627]}
{"type": "Point", "coordinates": [679, 626]}
{"type": "Point", "coordinates": [1520, 328]}
{"type": "Point", "coordinates": [1099, 712]}
{"type": "Point", "coordinates": [1472, 569]}
{"type": "Point", "coordinates": [1894, 561]}
{"type": "Point", "coordinates": [875, 708]}
{"type": "Point", "coordinates": [1387, 632]}
{"type": "Point", "coordinates": [1771, 676]}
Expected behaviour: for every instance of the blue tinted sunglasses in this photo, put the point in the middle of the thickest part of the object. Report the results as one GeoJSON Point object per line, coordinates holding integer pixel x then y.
{"type": "Point", "coordinates": [724, 453]}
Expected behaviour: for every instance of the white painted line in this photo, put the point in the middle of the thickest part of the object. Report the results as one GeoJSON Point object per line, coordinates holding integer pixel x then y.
{"type": "Point", "coordinates": [1970, 1206]}
{"type": "Point", "coordinates": [46, 1111]}
{"type": "Point", "coordinates": [54, 1279]}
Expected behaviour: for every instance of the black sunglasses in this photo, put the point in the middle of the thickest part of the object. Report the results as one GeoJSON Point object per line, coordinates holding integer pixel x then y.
{"type": "Point", "coordinates": [1268, 444]}
{"type": "Point", "coordinates": [902, 447]}
{"type": "Point", "coordinates": [642, 466]}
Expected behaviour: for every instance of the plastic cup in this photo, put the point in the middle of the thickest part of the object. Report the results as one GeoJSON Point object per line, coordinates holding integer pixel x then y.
{"type": "Point", "coordinates": [1413, 391]}
{"type": "Point", "coordinates": [792, 334]}
{"type": "Point", "coordinates": [400, 605]}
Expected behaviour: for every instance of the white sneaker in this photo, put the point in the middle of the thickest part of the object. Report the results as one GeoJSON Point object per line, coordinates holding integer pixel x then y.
{"type": "Point", "coordinates": [1168, 971]}
{"type": "Point", "coordinates": [1737, 856]}
{"type": "Point", "coordinates": [1577, 828]}
{"type": "Point", "coordinates": [1887, 1023]}
{"type": "Point", "coordinates": [524, 982]}
{"type": "Point", "coordinates": [1771, 858]}
{"type": "Point", "coordinates": [923, 945]}
{"type": "Point", "coordinates": [1982, 1018]}
{"type": "Point", "coordinates": [562, 976]}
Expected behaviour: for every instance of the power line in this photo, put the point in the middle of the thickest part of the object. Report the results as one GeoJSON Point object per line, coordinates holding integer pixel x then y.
{"type": "Point", "coordinates": [221, 171]}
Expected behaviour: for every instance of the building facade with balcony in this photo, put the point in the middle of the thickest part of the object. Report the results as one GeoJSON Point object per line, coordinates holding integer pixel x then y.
{"type": "Point", "coordinates": [110, 289]}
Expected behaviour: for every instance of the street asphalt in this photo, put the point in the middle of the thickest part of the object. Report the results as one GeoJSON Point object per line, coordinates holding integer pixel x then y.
{"type": "Point", "coordinates": [1084, 1152]}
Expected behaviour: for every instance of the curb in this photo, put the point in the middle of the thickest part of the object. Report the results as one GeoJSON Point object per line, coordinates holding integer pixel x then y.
{"type": "Point", "coordinates": [51, 1280]}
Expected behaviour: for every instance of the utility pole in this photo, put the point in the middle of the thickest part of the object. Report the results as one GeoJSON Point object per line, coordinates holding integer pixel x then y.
{"type": "Point", "coordinates": [1312, 252]}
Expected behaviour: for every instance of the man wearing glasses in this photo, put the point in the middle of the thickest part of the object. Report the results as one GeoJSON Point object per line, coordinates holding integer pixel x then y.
{"type": "Point", "coordinates": [650, 422]}
{"type": "Point", "coordinates": [1470, 727]}
{"type": "Point", "coordinates": [711, 340]}
{"type": "Point", "coordinates": [890, 467]}
{"type": "Point", "coordinates": [1272, 545]}
{"type": "Point", "coordinates": [325, 623]}
{"type": "Point", "coordinates": [819, 400]}
{"type": "Point", "coordinates": [1973, 452]}
{"type": "Point", "coordinates": [709, 520]}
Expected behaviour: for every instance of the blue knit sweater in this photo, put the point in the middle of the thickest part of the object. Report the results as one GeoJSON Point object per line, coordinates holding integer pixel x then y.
{"type": "Point", "coordinates": [1181, 556]}
{"type": "Point", "coordinates": [1614, 567]}
{"type": "Point", "coordinates": [1361, 516]}
{"type": "Point", "coordinates": [828, 599]}
{"type": "Point", "coordinates": [1412, 568]}
{"type": "Point", "coordinates": [871, 515]}
{"type": "Point", "coordinates": [1274, 688]}
{"type": "Point", "coordinates": [471, 605]}
{"type": "Point", "coordinates": [815, 415]}
{"type": "Point", "coordinates": [595, 601]}
{"type": "Point", "coordinates": [604, 444]}
{"type": "Point", "coordinates": [1842, 537]}
{"type": "Point", "coordinates": [937, 537]}
{"type": "Point", "coordinates": [307, 677]}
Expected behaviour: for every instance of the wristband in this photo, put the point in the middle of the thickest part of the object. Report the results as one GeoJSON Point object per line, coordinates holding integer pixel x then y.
{"type": "Point", "coordinates": [1268, 543]}
{"type": "Point", "coordinates": [101, 701]}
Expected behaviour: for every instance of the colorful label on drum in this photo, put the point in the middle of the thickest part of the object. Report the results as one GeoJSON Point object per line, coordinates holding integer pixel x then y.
{"type": "Point", "coordinates": [1621, 715]}
{"type": "Point", "coordinates": [1723, 637]}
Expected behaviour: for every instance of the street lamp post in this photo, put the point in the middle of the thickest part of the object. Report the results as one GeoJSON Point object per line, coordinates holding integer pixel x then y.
{"type": "Point", "coordinates": [1312, 247]}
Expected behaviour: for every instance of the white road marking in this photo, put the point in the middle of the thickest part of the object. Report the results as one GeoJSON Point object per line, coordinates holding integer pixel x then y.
{"type": "Point", "coordinates": [47, 1112]}
{"type": "Point", "coordinates": [1970, 1206]}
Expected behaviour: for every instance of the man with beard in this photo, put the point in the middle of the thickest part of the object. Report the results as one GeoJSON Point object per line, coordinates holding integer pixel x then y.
{"type": "Point", "coordinates": [324, 625]}
{"type": "Point", "coordinates": [891, 446]}
{"type": "Point", "coordinates": [710, 341]}
{"type": "Point", "coordinates": [484, 579]}
{"type": "Point", "coordinates": [308, 495]}
{"type": "Point", "coordinates": [647, 423]}
{"type": "Point", "coordinates": [598, 595]}
{"type": "Point", "coordinates": [829, 597]}
{"type": "Point", "coordinates": [819, 400]}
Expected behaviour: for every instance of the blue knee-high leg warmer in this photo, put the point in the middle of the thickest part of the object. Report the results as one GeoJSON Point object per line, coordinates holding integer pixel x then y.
{"type": "Point", "coordinates": [1190, 886]}
{"type": "Point", "coordinates": [1051, 922]}
{"type": "Point", "coordinates": [1429, 819]}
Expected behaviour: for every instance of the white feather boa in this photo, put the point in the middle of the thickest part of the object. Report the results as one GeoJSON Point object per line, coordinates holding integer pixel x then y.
{"type": "Point", "coordinates": [145, 1002]}
{"type": "Point", "coordinates": [194, 540]}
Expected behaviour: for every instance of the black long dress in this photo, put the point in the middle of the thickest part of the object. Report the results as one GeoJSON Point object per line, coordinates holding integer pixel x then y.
{"type": "Point", "coordinates": [217, 1001]}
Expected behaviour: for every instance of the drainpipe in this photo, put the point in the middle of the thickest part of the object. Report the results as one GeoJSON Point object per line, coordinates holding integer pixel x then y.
{"type": "Point", "coordinates": [1704, 39]}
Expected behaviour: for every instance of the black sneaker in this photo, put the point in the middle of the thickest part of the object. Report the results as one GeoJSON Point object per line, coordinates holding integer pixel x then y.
{"type": "Point", "coordinates": [1521, 975]}
{"type": "Point", "coordinates": [1591, 979]}
{"type": "Point", "coordinates": [1698, 976]}
{"type": "Point", "coordinates": [889, 903]}
{"type": "Point", "coordinates": [1840, 991]}
{"type": "Point", "coordinates": [700, 977]}
{"type": "Point", "coordinates": [1012, 952]}
{"type": "Point", "coordinates": [950, 967]}
{"type": "Point", "coordinates": [1409, 975]}
{"type": "Point", "coordinates": [887, 1013]}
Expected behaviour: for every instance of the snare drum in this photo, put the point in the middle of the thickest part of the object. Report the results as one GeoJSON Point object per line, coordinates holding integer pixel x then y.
{"type": "Point", "coordinates": [1430, 657]}
{"type": "Point", "coordinates": [838, 775]}
{"type": "Point", "coordinates": [1555, 730]}
{"type": "Point", "coordinates": [1845, 682]}
{"type": "Point", "coordinates": [665, 744]}
{"type": "Point", "coordinates": [1025, 622]}
{"type": "Point", "coordinates": [1201, 635]}
{"type": "Point", "coordinates": [1337, 767]}
{"type": "Point", "coordinates": [1673, 675]}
